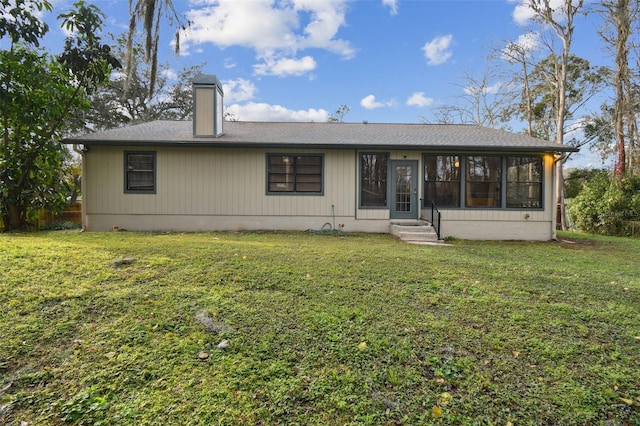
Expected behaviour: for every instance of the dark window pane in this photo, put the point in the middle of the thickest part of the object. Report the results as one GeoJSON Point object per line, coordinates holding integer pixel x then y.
{"type": "Point", "coordinates": [308, 187]}
{"type": "Point", "coordinates": [442, 180]}
{"type": "Point", "coordinates": [524, 195]}
{"type": "Point", "coordinates": [373, 180]}
{"type": "Point", "coordinates": [484, 178]}
{"type": "Point", "coordinates": [140, 172]}
{"type": "Point", "coordinates": [302, 173]}
{"type": "Point", "coordinates": [524, 182]}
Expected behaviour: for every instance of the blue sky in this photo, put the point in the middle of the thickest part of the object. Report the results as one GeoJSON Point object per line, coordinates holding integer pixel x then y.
{"type": "Point", "coordinates": [387, 60]}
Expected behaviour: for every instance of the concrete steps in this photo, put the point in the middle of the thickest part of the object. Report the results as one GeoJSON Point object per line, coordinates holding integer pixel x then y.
{"type": "Point", "coordinates": [415, 232]}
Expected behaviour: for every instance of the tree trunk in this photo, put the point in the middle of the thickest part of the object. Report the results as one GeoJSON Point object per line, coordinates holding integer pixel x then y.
{"type": "Point", "coordinates": [563, 223]}
{"type": "Point", "coordinates": [633, 159]}
{"type": "Point", "coordinates": [15, 218]}
{"type": "Point", "coordinates": [620, 12]}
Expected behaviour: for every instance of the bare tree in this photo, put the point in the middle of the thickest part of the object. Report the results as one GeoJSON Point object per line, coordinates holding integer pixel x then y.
{"type": "Point", "coordinates": [482, 102]}
{"type": "Point", "coordinates": [521, 54]}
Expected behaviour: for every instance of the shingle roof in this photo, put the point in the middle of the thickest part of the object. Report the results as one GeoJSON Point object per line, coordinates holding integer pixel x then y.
{"type": "Point", "coordinates": [323, 135]}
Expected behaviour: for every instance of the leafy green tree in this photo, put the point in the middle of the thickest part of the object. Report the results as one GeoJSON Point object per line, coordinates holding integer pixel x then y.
{"type": "Point", "coordinates": [577, 178]}
{"type": "Point", "coordinates": [607, 204]}
{"type": "Point", "coordinates": [338, 116]}
{"type": "Point", "coordinates": [119, 102]}
{"type": "Point", "coordinates": [583, 82]}
{"type": "Point", "coordinates": [39, 93]}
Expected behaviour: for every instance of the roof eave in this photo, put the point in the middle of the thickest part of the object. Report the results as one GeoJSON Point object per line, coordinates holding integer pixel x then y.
{"type": "Point", "coordinates": [235, 144]}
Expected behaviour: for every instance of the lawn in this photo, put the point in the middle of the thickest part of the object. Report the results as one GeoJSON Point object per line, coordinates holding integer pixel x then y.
{"type": "Point", "coordinates": [129, 328]}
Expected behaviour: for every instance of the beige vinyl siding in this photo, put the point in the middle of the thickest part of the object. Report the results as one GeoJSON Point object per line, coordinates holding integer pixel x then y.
{"type": "Point", "coordinates": [212, 181]}
{"type": "Point", "coordinates": [373, 214]}
{"type": "Point", "coordinates": [204, 105]}
{"type": "Point", "coordinates": [208, 188]}
{"type": "Point", "coordinates": [405, 155]}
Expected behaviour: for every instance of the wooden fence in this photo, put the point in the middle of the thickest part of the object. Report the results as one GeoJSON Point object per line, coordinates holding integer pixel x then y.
{"type": "Point", "coordinates": [72, 213]}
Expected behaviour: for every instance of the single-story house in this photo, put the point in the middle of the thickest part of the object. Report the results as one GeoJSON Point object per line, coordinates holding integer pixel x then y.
{"type": "Point", "coordinates": [210, 174]}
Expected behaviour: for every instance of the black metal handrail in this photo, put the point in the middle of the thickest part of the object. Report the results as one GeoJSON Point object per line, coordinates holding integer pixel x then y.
{"type": "Point", "coordinates": [435, 219]}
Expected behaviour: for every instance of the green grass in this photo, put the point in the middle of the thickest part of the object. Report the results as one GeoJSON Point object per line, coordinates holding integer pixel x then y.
{"type": "Point", "coordinates": [355, 329]}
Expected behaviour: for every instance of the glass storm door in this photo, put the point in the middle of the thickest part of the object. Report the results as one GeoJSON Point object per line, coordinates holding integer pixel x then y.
{"type": "Point", "coordinates": [404, 190]}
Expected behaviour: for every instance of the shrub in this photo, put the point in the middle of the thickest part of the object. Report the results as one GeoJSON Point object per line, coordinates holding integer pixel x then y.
{"type": "Point", "coordinates": [60, 226]}
{"type": "Point", "coordinates": [575, 179]}
{"type": "Point", "coordinates": [604, 206]}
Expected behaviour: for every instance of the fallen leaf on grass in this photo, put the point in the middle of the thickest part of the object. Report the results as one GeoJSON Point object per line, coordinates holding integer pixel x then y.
{"type": "Point", "coordinates": [223, 344]}
{"type": "Point", "coordinates": [362, 346]}
{"type": "Point", "coordinates": [110, 355]}
{"type": "Point", "coordinates": [436, 411]}
{"type": "Point", "coordinates": [445, 398]}
{"type": "Point", "coordinates": [627, 401]}
{"type": "Point", "coordinates": [203, 355]}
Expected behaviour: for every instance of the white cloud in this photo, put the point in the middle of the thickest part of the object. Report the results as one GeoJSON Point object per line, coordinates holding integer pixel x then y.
{"type": "Point", "coordinates": [523, 14]}
{"type": "Point", "coordinates": [392, 5]}
{"type": "Point", "coordinates": [271, 29]}
{"type": "Point", "coordinates": [370, 102]}
{"type": "Point", "coordinates": [117, 74]}
{"type": "Point", "coordinates": [265, 112]}
{"type": "Point", "coordinates": [484, 89]}
{"type": "Point", "coordinates": [418, 99]}
{"type": "Point", "coordinates": [229, 63]}
{"type": "Point", "coordinates": [284, 67]}
{"type": "Point", "coordinates": [528, 42]}
{"type": "Point", "coordinates": [437, 51]}
{"type": "Point", "coordinates": [522, 48]}
{"type": "Point", "coordinates": [238, 90]}
{"type": "Point", "coordinates": [170, 74]}
{"type": "Point", "coordinates": [29, 7]}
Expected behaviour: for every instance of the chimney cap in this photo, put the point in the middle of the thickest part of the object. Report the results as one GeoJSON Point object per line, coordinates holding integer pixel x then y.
{"type": "Point", "coordinates": [207, 79]}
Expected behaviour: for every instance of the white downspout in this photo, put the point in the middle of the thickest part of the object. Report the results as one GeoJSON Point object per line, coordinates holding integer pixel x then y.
{"type": "Point", "coordinates": [554, 216]}
{"type": "Point", "coordinates": [83, 212]}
